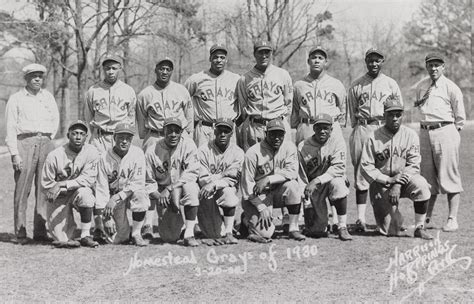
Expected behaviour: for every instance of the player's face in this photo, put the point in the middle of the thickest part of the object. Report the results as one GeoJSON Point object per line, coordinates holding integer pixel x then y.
{"type": "Point", "coordinates": [172, 135]}
{"type": "Point", "coordinates": [223, 135]}
{"type": "Point", "coordinates": [111, 71]}
{"type": "Point", "coordinates": [435, 69]}
{"type": "Point", "coordinates": [218, 61]}
{"type": "Point", "coordinates": [34, 81]}
{"type": "Point", "coordinates": [317, 62]}
{"type": "Point", "coordinates": [322, 132]}
{"type": "Point", "coordinates": [374, 64]}
{"type": "Point", "coordinates": [123, 142]}
{"type": "Point", "coordinates": [393, 120]}
{"type": "Point", "coordinates": [275, 138]}
{"type": "Point", "coordinates": [163, 72]}
{"type": "Point", "coordinates": [77, 137]}
{"type": "Point", "coordinates": [263, 58]}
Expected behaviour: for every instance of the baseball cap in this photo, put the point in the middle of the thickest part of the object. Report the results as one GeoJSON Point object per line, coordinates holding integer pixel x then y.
{"type": "Point", "coordinates": [165, 59]}
{"type": "Point", "coordinates": [434, 56]}
{"type": "Point", "coordinates": [262, 45]}
{"type": "Point", "coordinates": [323, 118]}
{"type": "Point", "coordinates": [217, 47]}
{"type": "Point", "coordinates": [123, 128]}
{"type": "Point", "coordinates": [112, 57]}
{"type": "Point", "coordinates": [374, 51]}
{"type": "Point", "coordinates": [225, 122]}
{"type": "Point", "coordinates": [392, 104]}
{"type": "Point", "coordinates": [172, 121]}
{"type": "Point", "coordinates": [78, 123]}
{"type": "Point", "coordinates": [275, 124]}
{"type": "Point", "coordinates": [318, 49]}
{"type": "Point", "coordinates": [34, 67]}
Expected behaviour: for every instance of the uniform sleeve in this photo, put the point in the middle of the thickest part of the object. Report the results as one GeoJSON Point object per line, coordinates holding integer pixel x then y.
{"type": "Point", "coordinates": [89, 107]}
{"type": "Point", "coordinates": [295, 113]}
{"type": "Point", "coordinates": [370, 172]}
{"type": "Point", "coordinates": [48, 174]}
{"type": "Point", "coordinates": [231, 175]}
{"type": "Point", "coordinates": [132, 107]}
{"type": "Point", "coordinates": [141, 115]}
{"type": "Point", "coordinates": [457, 104]}
{"type": "Point", "coordinates": [241, 98]}
{"type": "Point", "coordinates": [102, 191]}
{"type": "Point", "coordinates": [188, 112]}
{"type": "Point", "coordinates": [150, 177]}
{"type": "Point", "coordinates": [190, 163]}
{"type": "Point", "coordinates": [288, 94]}
{"type": "Point", "coordinates": [88, 175]}
{"type": "Point", "coordinates": [337, 167]}
{"type": "Point", "coordinates": [413, 158]}
{"type": "Point", "coordinates": [136, 181]}
{"type": "Point", "coordinates": [205, 175]}
{"type": "Point", "coordinates": [289, 170]}
{"type": "Point", "coordinates": [190, 85]}
{"type": "Point", "coordinates": [352, 106]}
{"type": "Point", "coordinates": [11, 118]}
{"type": "Point", "coordinates": [247, 180]}
{"type": "Point", "coordinates": [55, 116]}
{"type": "Point", "coordinates": [341, 103]}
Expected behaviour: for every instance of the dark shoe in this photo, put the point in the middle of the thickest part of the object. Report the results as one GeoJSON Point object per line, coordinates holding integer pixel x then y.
{"type": "Point", "coordinates": [243, 230]}
{"type": "Point", "coordinates": [317, 234]}
{"type": "Point", "coordinates": [335, 229]}
{"type": "Point", "coordinates": [286, 228]}
{"type": "Point", "coordinates": [230, 239]}
{"type": "Point", "coordinates": [296, 235]}
{"type": "Point", "coordinates": [360, 226]}
{"type": "Point", "coordinates": [190, 242]}
{"type": "Point", "coordinates": [420, 232]}
{"type": "Point", "coordinates": [258, 239]}
{"type": "Point", "coordinates": [147, 232]}
{"type": "Point", "coordinates": [344, 234]}
{"type": "Point", "coordinates": [21, 240]}
{"type": "Point", "coordinates": [68, 244]}
{"type": "Point", "coordinates": [100, 236]}
{"type": "Point", "coordinates": [89, 242]}
{"type": "Point", "coordinates": [43, 239]}
{"type": "Point", "coordinates": [139, 241]}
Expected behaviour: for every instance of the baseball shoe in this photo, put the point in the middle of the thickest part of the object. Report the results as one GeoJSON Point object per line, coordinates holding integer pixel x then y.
{"type": "Point", "coordinates": [420, 232]}
{"type": "Point", "coordinates": [89, 242]}
{"type": "Point", "coordinates": [296, 235]}
{"type": "Point", "coordinates": [67, 244]}
{"type": "Point", "coordinates": [147, 232]}
{"type": "Point", "coordinates": [344, 234]}
{"type": "Point", "coordinates": [100, 236]}
{"type": "Point", "coordinates": [451, 225]}
{"type": "Point", "coordinates": [317, 234]}
{"type": "Point", "coordinates": [335, 228]}
{"type": "Point", "coordinates": [190, 242]}
{"type": "Point", "coordinates": [20, 240]}
{"type": "Point", "coordinates": [230, 239]}
{"type": "Point", "coordinates": [258, 239]}
{"type": "Point", "coordinates": [360, 226]}
{"type": "Point", "coordinates": [139, 241]}
{"type": "Point", "coordinates": [42, 239]}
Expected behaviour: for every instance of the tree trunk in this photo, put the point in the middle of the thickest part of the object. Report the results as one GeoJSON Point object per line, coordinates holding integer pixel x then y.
{"type": "Point", "coordinates": [81, 60]}
{"type": "Point", "coordinates": [126, 44]}
{"type": "Point", "coordinates": [110, 27]}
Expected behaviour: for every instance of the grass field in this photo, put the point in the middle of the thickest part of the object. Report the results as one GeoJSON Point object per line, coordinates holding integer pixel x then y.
{"type": "Point", "coordinates": [283, 271]}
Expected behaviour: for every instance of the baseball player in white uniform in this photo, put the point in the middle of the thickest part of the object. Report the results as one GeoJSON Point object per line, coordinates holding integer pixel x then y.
{"type": "Point", "coordinates": [121, 186]}
{"type": "Point", "coordinates": [163, 99]}
{"type": "Point", "coordinates": [213, 95]}
{"type": "Point", "coordinates": [172, 172]}
{"type": "Point", "coordinates": [391, 163]}
{"type": "Point", "coordinates": [221, 165]}
{"type": "Point", "coordinates": [264, 93]}
{"type": "Point", "coordinates": [440, 102]}
{"type": "Point", "coordinates": [323, 175]}
{"type": "Point", "coordinates": [68, 178]}
{"type": "Point", "coordinates": [365, 100]}
{"type": "Point", "coordinates": [270, 180]}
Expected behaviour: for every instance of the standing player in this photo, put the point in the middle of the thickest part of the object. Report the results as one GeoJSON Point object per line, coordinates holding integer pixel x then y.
{"type": "Point", "coordinates": [317, 93]}
{"type": "Point", "coordinates": [269, 180]}
{"type": "Point", "coordinates": [441, 104]}
{"type": "Point", "coordinates": [121, 186]}
{"type": "Point", "coordinates": [323, 160]}
{"type": "Point", "coordinates": [108, 103]}
{"type": "Point", "coordinates": [172, 171]}
{"type": "Point", "coordinates": [221, 164]}
{"type": "Point", "coordinates": [213, 95]}
{"type": "Point", "coordinates": [391, 162]}
{"type": "Point", "coordinates": [365, 100]}
{"type": "Point", "coordinates": [32, 120]}
{"type": "Point", "coordinates": [264, 93]}
{"type": "Point", "coordinates": [69, 174]}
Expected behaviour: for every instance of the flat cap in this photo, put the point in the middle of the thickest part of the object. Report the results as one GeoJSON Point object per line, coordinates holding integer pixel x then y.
{"type": "Point", "coordinates": [225, 122]}
{"type": "Point", "coordinates": [318, 49]}
{"type": "Point", "coordinates": [217, 47]}
{"type": "Point", "coordinates": [392, 103]}
{"type": "Point", "coordinates": [262, 45]}
{"type": "Point", "coordinates": [172, 121]}
{"type": "Point", "coordinates": [374, 51]}
{"type": "Point", "coordinates": [434, 56]}
{"type": "Point", "coordinates": [275, 124]}
{"type": "Point", "coordinates": [124, 128]}
{"type": "Point", "coordinates": [78, 123]}
{"type": "Point", "coordinates": [112, 57]}
{"type": "Point", "coordinates": [323, 118]}
{"type": "Point", "coordinates": [165, 59]}
{"type": "Point", "coordinates": [34, 67]}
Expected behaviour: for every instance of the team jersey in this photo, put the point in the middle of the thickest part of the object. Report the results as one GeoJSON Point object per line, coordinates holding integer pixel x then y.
{"type": "Point", "coordinates": [165, 166]}
{"type": "Point", "coordinates": [155, 104]}
{"type": "Point", "coordinates": [77, 169]}
{"type": "Point", "coordinates": [314, 96]}
{"type": "Point", "coordinates": [122, 176]}
{"type": "Point", "coordinates": [223, 168]}
{"type": "Point", "coordinates": [107, 105]}
{"type": "Point", "coordinates": [261, 161]}
{"type": "Point", "coordinates": [267, 95]}
{"type": "Point", "coordinates": [386, 154]}
{"type": "Point", "coordinates": [213, 96]}
{"type": "Point", "coordinates": [367, 96]}
{"type": "Point", "coordinates": [324, 162]}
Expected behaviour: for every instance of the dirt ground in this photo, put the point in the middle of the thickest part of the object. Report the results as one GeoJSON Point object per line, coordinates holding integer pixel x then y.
{"type": "Point", "coordinates": [363, 270]}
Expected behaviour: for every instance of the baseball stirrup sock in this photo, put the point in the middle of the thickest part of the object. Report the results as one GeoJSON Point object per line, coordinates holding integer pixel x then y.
{"type": "Point", "coordinates": [294, 222]}
{"type": "Point", "coordinates": [342, 220]}
{"type": "Point", "coordinates": [85, 229]}
{"type": "Point", "coordinates": [228, 223]}
{"type": "Point", "coordinates": [189, 231]}
{"type": "Point", "coordinates": [137, 227]}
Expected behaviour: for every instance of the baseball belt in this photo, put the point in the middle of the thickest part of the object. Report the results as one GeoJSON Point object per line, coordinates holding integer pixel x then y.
{"type": "Point", "coordinates": [157, 132]}
{"type": "Point", "coordinates": [101, 132]}
{"type": "Point", "coordinates": [263, 121]}
{"type": "Point", "coordinates": [312, 121]}
{"type": "Point", "coordinates": [434, 126]}
{"type": "Point", "coordinates": [28, 135]}
{"type": "Point", "coordinates": [371, 121]}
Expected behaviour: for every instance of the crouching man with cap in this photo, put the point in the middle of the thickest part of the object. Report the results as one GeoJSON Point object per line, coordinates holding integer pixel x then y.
{"type": "Point", "coordinates": [172, 170]}
{"type": "Point", "coordinates": [269, 179]}
{"type": "Point", "coordinates": [68, 177]}
{"type": "Point", "coordinates": [121, 186]}
{"type": "Point", "coordinates": [391, 163]}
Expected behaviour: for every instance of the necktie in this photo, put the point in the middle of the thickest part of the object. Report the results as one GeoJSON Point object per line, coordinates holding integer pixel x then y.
{"type": "Point", "coordinates": [423, 99]}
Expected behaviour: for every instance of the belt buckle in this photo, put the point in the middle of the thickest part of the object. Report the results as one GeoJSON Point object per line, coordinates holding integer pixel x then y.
{"type": "Point", "coordinates": [39, 134]}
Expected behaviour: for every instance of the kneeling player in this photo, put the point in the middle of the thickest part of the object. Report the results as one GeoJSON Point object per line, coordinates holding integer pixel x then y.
{"type": "Point", "coordinates": [171, 177]}
{"type": "Point", "coordinates": [68, 176]}
{"type": "Point", "coordinates": [323, 172]}
{"type": "Point", "coordinates": [391, 162]}
{"type": "Point", "coordinates": [121, 186]}
{"type": "Point", "coordinates": [269, 179]}
{"type": "Point", "coordinates": [221, 164]}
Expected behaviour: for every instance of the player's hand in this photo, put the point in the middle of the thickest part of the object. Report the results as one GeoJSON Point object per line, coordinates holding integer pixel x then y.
{"type": "Point", "coordinates": [207, 191]}
{"type": "Point", "coordinates": [109, 208]}
{"type": "Point", "coordinates": [393, 179]}
{"type": "Point", "coordinates": [53, 192]}
{"type": "Point", "coordinates": [314, 185]}
{"type": "Point", "coordinates": [261, 186]}
{"type": "Point", "coordinates": [164, 198]}
{"type": "Point", "coordinates": [109, 226]}
{"type": "Point", "coordinates": [17, 162]}
{"type": "Point", "coordinates": [265, 220]}
{"type": "Point", "coordinates": [394, 194]}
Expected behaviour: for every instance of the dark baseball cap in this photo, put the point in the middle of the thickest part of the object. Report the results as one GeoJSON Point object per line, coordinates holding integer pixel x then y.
{"type": "Point", "coordinates": [165, 59]}
{"type": "Point", "coordinates": [323, 118]}
{"type": "Point", "coordinates": [434, 56]}
{"type": "Point", "coordinates": [78, 123]}
{"type": "Point", "coordinates": [225, 122]}
{"type": "Point", "coordinates": [374, 51]}
{"type": "Point", "coordinates": [392, 103]}
{"type": "Point", "coordinates": [217, 47]}
{"type": "Point", "coordinates": [172, 121]}
{"type": "Point", "coordinates": [262, 45]}
{"type": "Point", "coordinates": [275, 124]}
{"type": "Point", "coordinates": [318, 49]}
{"type": "Point", "coordinates": [124, 128]}
{"type": "Point", "coordinates": [112, 57]}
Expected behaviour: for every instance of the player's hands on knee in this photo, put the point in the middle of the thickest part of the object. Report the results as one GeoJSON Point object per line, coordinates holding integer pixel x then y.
{"type": "Point", "coordinates": [163, 198]}
{"type": "Point", "coordinates": [265, 220]}
{"type": "Point", "coordinates": [394, 194]}
{"type": "Point", "coordinates": [109, 208]}
{"type": "Point", "coordinates": [311, 187]}
{"type": "Point", "coordinates": [109, 226]}
{"type": "Point", "coordinates": [261, 185]}
{"type": "Point", "coordinates": [53, 192]}
{"type": "Point", "coordinates": [17, 162]}
{"type": "Point", "coordinates": [207, 191]}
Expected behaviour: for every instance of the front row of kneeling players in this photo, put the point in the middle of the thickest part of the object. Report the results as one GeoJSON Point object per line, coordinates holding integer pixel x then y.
{"type": "Point", "coordinates": [190, 184]}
